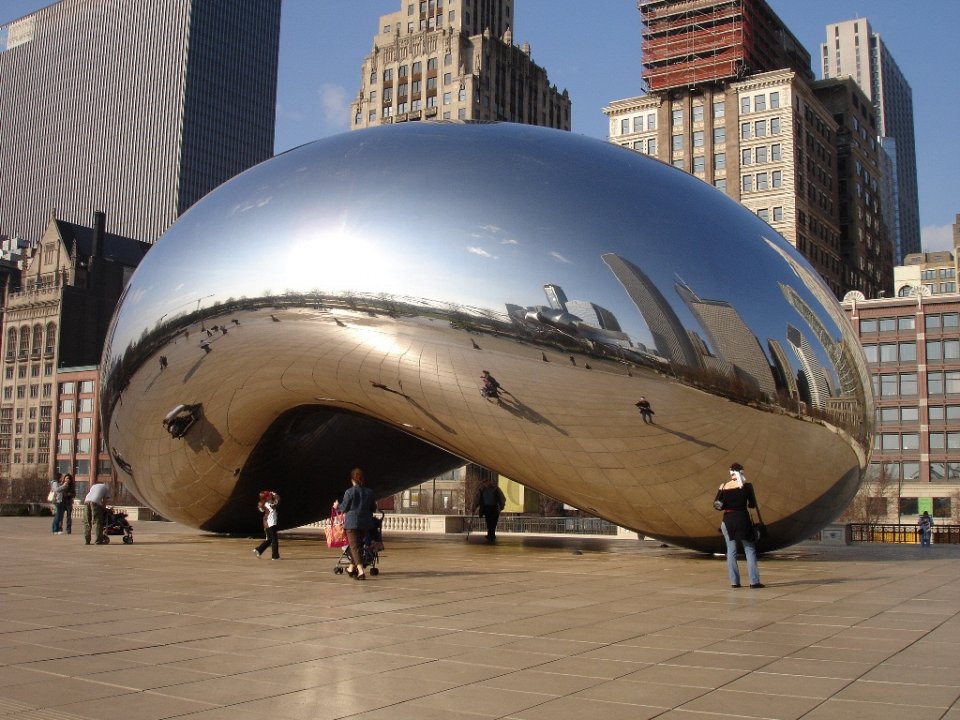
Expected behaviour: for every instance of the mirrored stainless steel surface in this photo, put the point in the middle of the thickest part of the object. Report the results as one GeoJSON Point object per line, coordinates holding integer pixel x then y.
{"type": "Point", "coordinates": [334, 307]}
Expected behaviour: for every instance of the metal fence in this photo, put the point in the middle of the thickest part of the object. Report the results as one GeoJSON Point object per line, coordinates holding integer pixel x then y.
{"type": "Point", "coordinates": [942, 534]}
{"type": "Point", "coordinates": [545, 525]}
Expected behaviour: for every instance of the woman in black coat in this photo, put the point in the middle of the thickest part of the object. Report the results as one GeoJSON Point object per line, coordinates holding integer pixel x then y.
{"type": "Point", "coordinates": [357, 506]}
{"type": "Point", "coordinates": [735, 496]}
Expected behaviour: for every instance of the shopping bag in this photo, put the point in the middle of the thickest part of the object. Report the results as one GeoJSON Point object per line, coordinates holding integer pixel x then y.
{"type": "Point", "coordinates": [336, 535]}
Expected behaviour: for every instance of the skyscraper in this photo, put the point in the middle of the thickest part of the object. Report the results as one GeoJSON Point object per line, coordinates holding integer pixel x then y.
{"type": "Point", "coordinates": [853, 50]}
{"type": "Point", "coordinates": [454, 61]}
{"type": "Point", "coordinates": [137, 109]}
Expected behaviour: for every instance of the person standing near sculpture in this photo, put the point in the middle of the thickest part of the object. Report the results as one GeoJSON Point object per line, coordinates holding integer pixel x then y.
{"type": "Point", "coordinates": [357, 506]}
{"type": "Point", "coordinates": [489, 504]}
{"type": "Point", "coordinates": [925, 528]}
{"type": "Point", "coordinates": [56, 497]}
{"type": "Point", "coordinates": [735, 497]}
{"type": "Point", "coordinates": [66, 506]}
{"type": "Point", "coordinates": [646, 411]}
{"type": "Point", "coordinates": [95, 513]}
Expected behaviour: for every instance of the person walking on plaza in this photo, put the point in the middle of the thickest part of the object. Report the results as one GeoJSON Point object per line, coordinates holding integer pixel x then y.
{"type": "Point", "coordinates": [69, 494]}
{"type": "Point", "coordinates": [925, 528]}
{"type": "Point", "coordinates": [646, 412]}
{"type": "Point", "coordinates": [95, 513]}
{"type": "Point", "coordinates": [268, 506]}
{"type": "Point", "coordinates": [489, 504]}
{"type": "Point", "coordinates": [735, 497]}
{"type": "Point", "coordinates": [357, 506]}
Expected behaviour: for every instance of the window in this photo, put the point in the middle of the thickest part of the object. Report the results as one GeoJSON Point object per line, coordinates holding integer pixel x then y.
{"type": "Point", "coordinates": [652, 121]}
{"type": "Point", "coordinates": [447, 78]}
{"type": "Point", "coordinates": [677, 143]}
{"type": "Point", "coordinates": [764, 214]}
{"type": "Point", "coordinates": [652, 146]}
{"type": "Point", "coordinates": [447, 98]}
{"type": "Point", "coordinates": [761, 154]}
{"type": "Point", "coordinates": [624, 126]}
{"type": "Point", "coordinates": [719, 109]}
{"type": "Point", "coordinates": [760, 103]}
{"type": "Point", "coordinates": [417, 68]}
{"type": "Point", "coordinates": [85, 424]}
{"type": "Point", "coordinates": [868, 326]}
{"type": "Point", "coordinates": [932, 322]}
{"type": "Point", "coordinates": [775, 152]}
{"type": "Point", "coordinates": [431, 63]}
{"type": "Point", "coordinates": [774, 101]}
{"type": "Point", "coordinates": [697, 113]}
{"type": "Point", "coordinates": [760, 128]}
{"type": "Point", "coordinates": [638, 123]}
{"type": "Point", "coordinates": [744, 131]}
{"type": "Point", "coordinates": [719, 136]}
{"type": "Point", "coordinates": [698, 167]}
{"type": "Point", "coordinates": [905, 323]}
{"type": "Point", "coordinates": [698, 138]}
{"type": "Point", "coordinates": [776, 178]}
{"type": "Point", "coordinates": [761, 181]}
{"type": "Point", "coordinates": [719, 161]}
{"type": "Point", "coordinates": [746, 156]}
{"type": "Point", "coordinates": [744, 105]}
{"type": "Point", "coordinates": [747, 183]}
{"type": "Point", "coordinates": [887, 324]}
{"type": "Point", "coordinates": [720, 184]}
{"type": "Point", "coordinates": [677, 118]}
{"type": "Point", "coordinates": [66, 426]}
{"type": "Point", "coordinates": [778, 214]}
{"type": "Point", "coordinates": [775, 126]}
{"type": "Point", "coordinates": [388, 75]}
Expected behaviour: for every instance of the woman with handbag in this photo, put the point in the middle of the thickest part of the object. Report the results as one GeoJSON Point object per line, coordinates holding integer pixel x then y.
{"type": "Point", "coordinates": [735, 497]}
{"type": "Point", "coordinates": [357, 506]}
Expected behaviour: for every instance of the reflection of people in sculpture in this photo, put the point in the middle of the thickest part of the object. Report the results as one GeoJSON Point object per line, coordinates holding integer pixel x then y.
{"type": "Point", "coordinates": [489, 504]}
{"type": "Point", "coordinates": [646, 412]}
{"type": "Point", "coordinates": [491, 388]}
{"type": "Point", "coordinates": [736, 495]}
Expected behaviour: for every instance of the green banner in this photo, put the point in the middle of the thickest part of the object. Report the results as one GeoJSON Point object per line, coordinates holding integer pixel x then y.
{"type": "Point", "coordinates": [925, 504]}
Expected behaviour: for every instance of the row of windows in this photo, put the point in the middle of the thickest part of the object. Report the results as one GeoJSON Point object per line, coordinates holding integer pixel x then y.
{"type": "Point", "coordinates": [933, 274]}
{"type": "Point", "coordinates": [899, 414]}
{"type": "Point", "coordinates": [759, 102]}
{"type": "Point", "coordinates": [21, 371]}
{"type": "Point", "coordinates": [764, 214]}
{"type": "Point", "coordinates": [34, 391]}
{"type": "Point", "coordinates": [761, 181]}
{"type": "Point", "coordinates": [910, 506]}
{"type": "Point", "coordinates": [40, 342]}
{"type": "Point", "coordinates": [759, 128]}
{"type": "Point", "coordinates": [945, 382]}
{"type": "Point", "coordinates": [946, 321]}
{"type": "Point", "coordinates": [907, 351]}
{"type": "Point", "coordinates": [69, 388]}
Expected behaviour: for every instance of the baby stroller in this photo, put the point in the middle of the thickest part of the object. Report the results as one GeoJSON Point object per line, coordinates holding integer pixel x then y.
{"type": "Point", "coordinates": [370, 548]}
{"type": "Point", "coordinates": [115, 523]}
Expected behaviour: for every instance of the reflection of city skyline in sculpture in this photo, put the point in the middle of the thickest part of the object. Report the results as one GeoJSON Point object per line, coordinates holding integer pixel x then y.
{"type": "Point", "coordinates": [811, 378]}
{"type": "Point", "coordinates": [385, 321]}
{"type": "Point", "coordinates": [731, 339]}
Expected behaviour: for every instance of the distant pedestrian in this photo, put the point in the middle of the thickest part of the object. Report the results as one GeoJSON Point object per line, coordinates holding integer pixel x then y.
{"type": "Point", "coordinates": [358, 505]}
{"type": "Point", "coordinates": [268, 506]}
{"type": "Point", "coordinates": [488, 504]}
{"type": "Point", "coordinates": [163, 362]}
{"type": "Point", "coordinates": [925, 528]}
{"type": "Point", "coordinates": [646, 412]}
{"type": "Point", "coordinates": [69, 494]}
{"type": "Point", "coordinates": [57, 486]}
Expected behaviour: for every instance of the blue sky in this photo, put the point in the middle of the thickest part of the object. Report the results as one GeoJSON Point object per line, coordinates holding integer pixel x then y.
{"type": "Point", "coordinates": [592, 49]}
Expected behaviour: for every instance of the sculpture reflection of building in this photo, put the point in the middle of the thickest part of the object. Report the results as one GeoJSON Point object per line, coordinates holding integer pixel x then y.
{"type": "Point", "coordinates": [669, 336]}
{"type": "Point", "coordinates": [812, 381]}
{"type": "Point", "coordinates": [731, 339]}
{"type": "Point", "coordinates": [782, 371]}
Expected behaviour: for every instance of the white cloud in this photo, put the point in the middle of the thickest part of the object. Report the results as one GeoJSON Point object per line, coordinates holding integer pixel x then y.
{"type": "Point", "coordinates": [509, 241]}
{"type": "Point", "coordinates": [560, 258]}
{"type": "Point", "coordinates": [481, 252]}
{"type": "Point", "coordinates": [936, 237]}
{"type": "Point", "coordinates": [336, 107]}
{"type": "Point", "coordinates": [291, 115]}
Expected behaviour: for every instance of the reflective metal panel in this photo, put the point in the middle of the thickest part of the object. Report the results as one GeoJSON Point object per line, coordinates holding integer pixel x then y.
{"type": "Point", "coordinates": [335, 307]}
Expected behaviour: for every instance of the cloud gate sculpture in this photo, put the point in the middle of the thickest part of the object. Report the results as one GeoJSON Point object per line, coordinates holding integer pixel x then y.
{"type": "Point", "coordinates": [334, 307]}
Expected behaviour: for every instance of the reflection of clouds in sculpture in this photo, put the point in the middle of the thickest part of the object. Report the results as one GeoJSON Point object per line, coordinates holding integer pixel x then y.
{"type": "Point", "coordinates": [364, 298]}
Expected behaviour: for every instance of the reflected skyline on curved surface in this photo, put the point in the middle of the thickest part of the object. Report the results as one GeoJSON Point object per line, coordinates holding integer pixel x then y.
{"type": "Point", "coordinates": [334, 307]}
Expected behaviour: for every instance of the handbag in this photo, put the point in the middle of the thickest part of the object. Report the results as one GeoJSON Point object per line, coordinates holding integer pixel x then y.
{"type": "Point", "coordinates": [336, 535]}
{"type": "Point", "coordinates": [51, 496]}
{"type": "Point", "coordinates": [759, 528]}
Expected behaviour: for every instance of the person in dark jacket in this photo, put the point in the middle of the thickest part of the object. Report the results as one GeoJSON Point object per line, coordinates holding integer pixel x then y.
{"type": "Point", "coordinates": [736, 495]}
{"type": "Point", "coordinates": [357, 506]}
{"type": "Point", "coordinates": [489, 504]}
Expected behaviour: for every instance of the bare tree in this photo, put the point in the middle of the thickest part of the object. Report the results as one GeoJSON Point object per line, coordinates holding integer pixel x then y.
{"type": "Point", "coordinates": [869, 505]}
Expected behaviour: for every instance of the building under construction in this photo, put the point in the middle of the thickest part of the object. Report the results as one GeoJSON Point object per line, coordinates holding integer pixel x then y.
{"type": "Point", "coordinates": [692, 42]}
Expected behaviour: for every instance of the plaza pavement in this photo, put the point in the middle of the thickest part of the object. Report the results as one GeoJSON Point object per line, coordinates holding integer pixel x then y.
{"type": "Point", "coordinates": [183, 624]}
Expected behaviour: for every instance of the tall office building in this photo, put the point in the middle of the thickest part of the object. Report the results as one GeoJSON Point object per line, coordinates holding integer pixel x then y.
{"type": "Point", "coordinates": [853, 50]}
{"type": "Point", "coordinates": [732, 101]}
{"type": "Point", "coordinates": [454, 60]}
{"type": "Point", "coordinates": [134, 108]}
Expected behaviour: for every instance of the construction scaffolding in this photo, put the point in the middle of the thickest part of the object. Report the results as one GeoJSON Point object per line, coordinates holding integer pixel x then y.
{"type": "Point", "coordinates": [691, 42]}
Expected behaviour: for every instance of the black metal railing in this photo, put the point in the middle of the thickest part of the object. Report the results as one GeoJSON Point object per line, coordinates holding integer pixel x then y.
{"type": "Point", "coordinates": [908, 534]}
{"type": "Point", "coordinates": [545, 525]}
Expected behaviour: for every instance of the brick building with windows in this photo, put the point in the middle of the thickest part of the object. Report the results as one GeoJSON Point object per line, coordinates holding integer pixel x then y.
{"type": "Point", "coordinates": [912, 347]}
